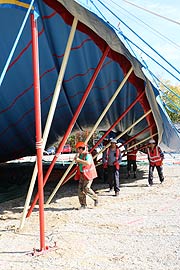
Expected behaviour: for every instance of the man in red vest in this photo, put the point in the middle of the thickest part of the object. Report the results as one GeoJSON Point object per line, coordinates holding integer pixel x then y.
{"type": "Point", "coordinates": [155, 156]}
{"type": "Point", "coordinates": [111, 160]}
{"type": "Point", "coordinates": [86, 172]}
{"type": "Point", "coordinates": [131, 159]}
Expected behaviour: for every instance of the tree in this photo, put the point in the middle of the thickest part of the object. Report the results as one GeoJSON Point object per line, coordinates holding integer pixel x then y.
{"type": "Point", "coordinates": [171, 99]}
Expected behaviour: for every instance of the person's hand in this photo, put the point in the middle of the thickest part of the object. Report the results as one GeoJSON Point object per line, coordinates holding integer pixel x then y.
{"type": "Point", "coordinates": [76, 158]}
{"type": "Point", "coordinates": [105, 165]}
{"type": "Point", "coordinates": [115, 163]}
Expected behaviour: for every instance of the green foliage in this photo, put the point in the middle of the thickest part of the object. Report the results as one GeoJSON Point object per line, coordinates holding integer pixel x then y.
{"type": "Point", "coordinates": [80, 136]}
{"type": "Point", "coordinates": [171, 100]}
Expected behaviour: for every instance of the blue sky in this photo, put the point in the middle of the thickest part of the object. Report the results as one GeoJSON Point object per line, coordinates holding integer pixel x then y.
{"type": "Point", "coordinates": [166, 41]}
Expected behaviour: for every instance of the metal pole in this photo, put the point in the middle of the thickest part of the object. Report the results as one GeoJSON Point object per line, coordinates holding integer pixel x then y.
{"type": "Point", "coordinates": [143, 140]}
{"type": "Point", "coordinates": [139, 133]}
{"type": "Point", "coordinates": [38, 128]}
{"type": "Point", "coordinates": [72, 173]}
{"type": "Point", "coordinates": [124, 132]}
{"type": "Point", "coordinates": [94, 128]}
{"type": "Point", "coordinates": [50, 116]}
{"type": "Point", "coordinates": [73, 121]}
{"type": "Point", "coordinates": [118, 120]}
{"type": "Point", "coordinates": [109, 104]}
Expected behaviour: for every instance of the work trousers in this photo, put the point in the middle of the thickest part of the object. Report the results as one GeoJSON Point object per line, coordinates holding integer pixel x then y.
{"type": "Point", "coordinates": [160, 173]}
{"type": "Point", "coordinates": [84, 189]}
{"type": "Point", "coordinates": [113, 178]}
{"type": "Point", "coordinates": [105, 175]}
{"type": "Point", "coordinates": [133, 163]}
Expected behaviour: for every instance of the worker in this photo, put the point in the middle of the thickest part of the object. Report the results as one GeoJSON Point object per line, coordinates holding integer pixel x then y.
{"type": "Point", "coordinates": [155, 157]}
{"type": "Point", "coordinates": [86, 172]}
{"type": "Point", "coordinates": [111, 161]}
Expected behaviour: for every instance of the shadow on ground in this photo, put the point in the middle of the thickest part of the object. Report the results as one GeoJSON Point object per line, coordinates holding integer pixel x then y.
{"type": "Point", "coordinates": [15, 181]}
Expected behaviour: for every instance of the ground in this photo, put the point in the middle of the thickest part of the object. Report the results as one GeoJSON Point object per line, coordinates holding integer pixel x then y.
{"type": "Point", "coordinates": [138, 230]}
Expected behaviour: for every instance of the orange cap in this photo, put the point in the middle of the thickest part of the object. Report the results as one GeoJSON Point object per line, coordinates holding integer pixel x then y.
{"type": "Point", "coordinates": [80, 144]}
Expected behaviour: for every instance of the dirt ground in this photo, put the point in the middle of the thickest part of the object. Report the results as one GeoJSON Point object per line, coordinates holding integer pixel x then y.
{"type": "Point", "coordinates": [138, 230]}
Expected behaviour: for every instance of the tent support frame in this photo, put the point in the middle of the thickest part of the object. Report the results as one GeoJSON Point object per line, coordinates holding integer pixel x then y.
{"type": "Point", "coordinates": [119, 119]}
{"type": "Point", "coordinates": [64, 179]}
{"type": "Point", "coordinates": [92, 131]}
{"type": "Point", "coordinates": [71, 125]}
{"type": "Point", "coordinates": [125, 131]}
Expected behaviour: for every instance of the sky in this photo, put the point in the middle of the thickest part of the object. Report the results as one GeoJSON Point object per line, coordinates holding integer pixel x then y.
{"type": "Point", "coordinates": [161, 34]}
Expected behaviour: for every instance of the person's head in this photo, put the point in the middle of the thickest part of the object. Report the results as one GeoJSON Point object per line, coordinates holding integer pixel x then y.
{"type": "Point", "coordinates": [152, 143]}
{"type": "Point", "coordinates": [113, 143]}
{"type": "Point", "coordinates": [80, 147]}
{"type": "Point", "coordinates": [105, 141]}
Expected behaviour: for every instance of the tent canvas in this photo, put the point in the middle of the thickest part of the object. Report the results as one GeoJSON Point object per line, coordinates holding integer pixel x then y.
{"type": "Point", "coordinates": [93, 37]}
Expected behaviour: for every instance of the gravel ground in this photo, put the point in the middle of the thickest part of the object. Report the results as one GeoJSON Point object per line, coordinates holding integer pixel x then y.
{"type": "Point", "coordinates": [139, 230]}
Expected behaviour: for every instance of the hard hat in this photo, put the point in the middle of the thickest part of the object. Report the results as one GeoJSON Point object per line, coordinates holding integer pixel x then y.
{"type": "Point", "coordinates": [113, 141]}
{"type": "Point", "coordinates": [80, 144]}
{"type": "Point", "coordinates": [152, 141]}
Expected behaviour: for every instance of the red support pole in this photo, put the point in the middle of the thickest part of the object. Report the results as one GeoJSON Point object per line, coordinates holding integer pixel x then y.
{"type": "Point", "coordinates": [132, 138]}
{"type": "Point", "coordinates": [118, 120]}
{"type": "Point", "coordinates": [139, 133]}
{"type": "Point", "coordinates": [71, 125]}
{"type": "Point", "coordinates": [35, 59]}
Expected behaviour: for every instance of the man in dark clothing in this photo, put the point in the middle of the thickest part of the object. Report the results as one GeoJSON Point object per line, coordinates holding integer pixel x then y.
{"type": "Point", "coordinates": [111, 160]}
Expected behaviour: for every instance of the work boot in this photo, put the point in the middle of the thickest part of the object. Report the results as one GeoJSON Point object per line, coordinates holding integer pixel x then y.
{"type": "Point", "coordinates": [82, 207]}
{"type": "Point", "coordinates": [150, 184]}
{"type": "Point", "coordinates": [95, 202]}
{"type": "Point", "coordinates": [162, 180]}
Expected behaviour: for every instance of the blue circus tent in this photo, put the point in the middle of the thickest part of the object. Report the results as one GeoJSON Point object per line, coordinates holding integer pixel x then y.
{"type": "Point", "coordinates": [93, 38]}
{"type": "Point", "coordinates": [88, 81]}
